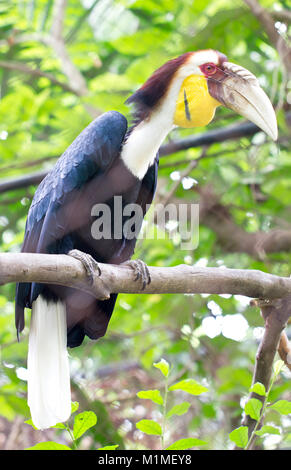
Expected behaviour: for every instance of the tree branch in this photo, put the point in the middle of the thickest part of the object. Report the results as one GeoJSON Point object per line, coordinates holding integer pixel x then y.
{"type": "Point", "coordinates": [217, 135]}
{"type": "Point", "coordinates": [284, 350]}
{"type": "Point", "coordinates": [191, 165]}
{"type": "Point", "coordinates": [266, 20]}
{"type": "Point", "coordinates": [282, 15]}
{"type": "Point", "coordinates": [18, 66]}
{"type": "Point", "coordinates": [232, 236]}
{"type": "Point", "coordinates": [234, 131]}
{"type": "Point", "coordinates": [58, 19]}
{"type": "Point", "coordinates": [56, 41]}
{"type": "Point", "coordinates": [67, 271]}
{"type": "Point", "coordinates": [276, 315]}
{"type": "Point", "coordinates": [31, 179]}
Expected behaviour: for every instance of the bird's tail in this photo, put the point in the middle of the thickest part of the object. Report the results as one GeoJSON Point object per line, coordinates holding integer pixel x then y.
{"type": "Point", "coordinates": [49, 396]}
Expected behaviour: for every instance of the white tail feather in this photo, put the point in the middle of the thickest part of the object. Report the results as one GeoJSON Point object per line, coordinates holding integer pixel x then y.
{"type": "Point", "coordinates": [49, 395]}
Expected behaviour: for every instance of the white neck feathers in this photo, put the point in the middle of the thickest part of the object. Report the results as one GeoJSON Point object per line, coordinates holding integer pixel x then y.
{"type": "Point", "coordinates": [142, 145]}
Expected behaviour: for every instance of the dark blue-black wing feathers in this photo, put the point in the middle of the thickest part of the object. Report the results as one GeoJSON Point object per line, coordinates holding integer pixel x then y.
{"type": "Point", "coordinates": [48, 221]}
{"type": "Point", "coordinates": [94, 150]}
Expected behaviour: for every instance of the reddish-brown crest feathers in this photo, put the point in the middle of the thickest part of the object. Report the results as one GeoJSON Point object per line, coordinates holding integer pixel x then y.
{"type": "Point", "coordinates": [149, 95]}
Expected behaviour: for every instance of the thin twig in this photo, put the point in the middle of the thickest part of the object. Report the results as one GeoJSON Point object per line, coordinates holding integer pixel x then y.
{"type": "Point", "coordinates": [207, 138]}
{"type": "Point", "coordinates": [56, 41]}
{"type": "Point", "coordinates": [193, 164]}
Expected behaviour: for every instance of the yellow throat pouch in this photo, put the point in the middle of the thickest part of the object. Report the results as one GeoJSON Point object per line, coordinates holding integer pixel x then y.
{"type": "Point", "coordinates": [195, 106]}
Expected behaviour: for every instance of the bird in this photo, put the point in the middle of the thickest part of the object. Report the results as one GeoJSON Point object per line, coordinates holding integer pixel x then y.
{"type": "Point", "coordinates": [113, 158]}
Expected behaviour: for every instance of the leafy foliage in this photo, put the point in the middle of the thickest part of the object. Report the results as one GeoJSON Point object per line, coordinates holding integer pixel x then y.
{"type": "Point", "coordinates": [152, 427]}
{"type": "Point", "coordinates": [257, 410]}
{"type": "Point", "coordinates": [82, 422]}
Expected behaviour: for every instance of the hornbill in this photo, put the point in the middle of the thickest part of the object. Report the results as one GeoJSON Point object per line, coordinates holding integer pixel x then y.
{"type": "Point", "coordinates": [109, 159]}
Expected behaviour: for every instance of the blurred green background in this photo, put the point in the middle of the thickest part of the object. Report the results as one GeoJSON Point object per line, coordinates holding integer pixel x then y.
{"type": "Point", "coordinates": [61, 65]}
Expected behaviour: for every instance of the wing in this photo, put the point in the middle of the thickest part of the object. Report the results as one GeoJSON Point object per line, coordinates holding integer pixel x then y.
{"type": "Point", "coordinates": [92, 152]}
{"type": "Point", "coordinates": [90, 155]}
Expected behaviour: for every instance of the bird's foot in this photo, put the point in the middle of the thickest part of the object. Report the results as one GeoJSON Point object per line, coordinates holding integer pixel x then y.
{"type": "Point", "coordinates": [141, 271]}
{"type": "Point", "coordinates": [90, 264]}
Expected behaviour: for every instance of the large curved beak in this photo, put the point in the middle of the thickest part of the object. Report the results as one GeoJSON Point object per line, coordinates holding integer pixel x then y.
{"type": "Point", "coordinates": [238, 89]}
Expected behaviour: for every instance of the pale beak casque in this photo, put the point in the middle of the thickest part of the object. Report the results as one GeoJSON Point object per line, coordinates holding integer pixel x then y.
{"type": "Point", "coordinates": [238, 89]}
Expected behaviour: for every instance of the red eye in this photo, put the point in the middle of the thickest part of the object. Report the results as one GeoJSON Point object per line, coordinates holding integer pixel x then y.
{"type": "Point", "coordinates": [208, 69]}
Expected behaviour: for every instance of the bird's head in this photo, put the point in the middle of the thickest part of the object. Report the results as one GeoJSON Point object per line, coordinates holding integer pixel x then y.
{"type": "Point", "coordinates": [188, 89]}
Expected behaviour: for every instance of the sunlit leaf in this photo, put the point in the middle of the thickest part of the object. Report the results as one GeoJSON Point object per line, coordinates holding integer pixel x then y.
{"type": "Point", "coordinates": [282, 406]}
{"type": "Point", "coordinates": [240, 436]}
{"type": "Point", "coordinates": [164, 367]}
{"type": "Point", "coordinates": [258, 388]}
{"type": "Point", "coordinates": [253, 408]}
{"type": "Point", "coordinates": [189, 386]}
{"type": "Point", "coordinates": [83, 422]}
{"type": "Point", "coordinates": [74, 406]}
{"type": "Point", "coordinates": [184, 444]}
{"type": "Point", "coordinates": [179, 409]}
{"type": "Point", "coordinates": [49, 445]}
{"type": "Point", "coordinates": [149, 426]}
{"type": "Point", "coordinates": [30, 423]}
{"type": "Point", "coordinates": [59, 426]}
{"type": "Point", "coordinates": [153, 395]}
{"type": "Point", "coordinates": [267, 429]}
{"type": "Point", "coordinates": [113, 447]}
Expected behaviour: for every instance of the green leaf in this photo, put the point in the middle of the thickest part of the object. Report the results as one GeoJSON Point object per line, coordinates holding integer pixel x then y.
{"type": "Point", "coordinates": [83, 422]}
{"type": "Point", "coordinates": [153, 395]}
{"type": "Point", "coordinates": [113, 447]}
{"type": "Point", "coordinates": [267, 429]}
{"type": "Point", "coordinates": [74, 406]}
{"type": "Point", "coordinates": [282, 406]}
{"type": "Point", "coordinates": [164, 367]}
{"type": "Point", "coordinates": [189, 386]}
{"type": "Point", "coordinates": [183, 444]}
{"type": "Point", "coordinates": [149, 426]}
{"type": "Point", "coordinates": [240, 436]}
{"type": "Point", "coordinates": [30, 423]}
{"type": "Point", "coordinates": [253, 408]}
{"type": "Point", "coordinates": [258, 388]}
{"type": "Point", "coordinates": [48, 445]}
{"type": "Point", "coordinates": [179, 410]}
{"type": "Point", "coordinates": [59, 426]}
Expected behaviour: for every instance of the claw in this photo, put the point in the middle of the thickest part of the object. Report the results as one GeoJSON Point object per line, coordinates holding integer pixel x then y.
{"type": "Point", "coordinates": [89, 263]}
{"type": "Point", "coordinates": [141, 271]}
